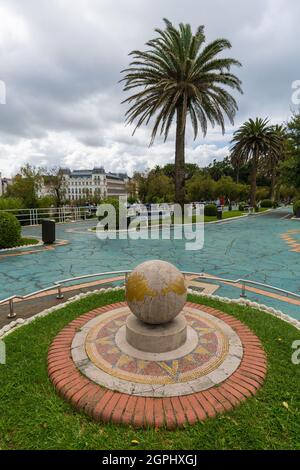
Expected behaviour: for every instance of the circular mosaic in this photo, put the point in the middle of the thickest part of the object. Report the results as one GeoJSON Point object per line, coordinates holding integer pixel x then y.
{"type": "Point", "coordinates": [182, 390]}
{"type": "Point", "coordinates": [211, 353]}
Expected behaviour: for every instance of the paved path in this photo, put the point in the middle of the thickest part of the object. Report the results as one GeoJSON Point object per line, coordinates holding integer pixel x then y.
{"type": "Point", "coordinates": [255, 247]}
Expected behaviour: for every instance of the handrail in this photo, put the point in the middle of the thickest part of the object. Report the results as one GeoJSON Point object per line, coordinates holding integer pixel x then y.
{"type": "Point", "coordinates": [58, 285]}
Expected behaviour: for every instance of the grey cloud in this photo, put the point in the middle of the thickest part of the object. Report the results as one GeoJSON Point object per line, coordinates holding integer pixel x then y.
{"type": "Point", "coordinates": [61, 62]}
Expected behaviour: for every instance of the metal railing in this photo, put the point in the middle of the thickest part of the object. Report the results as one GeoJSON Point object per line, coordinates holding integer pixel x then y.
{"type": "Point", "coordinates": [59, 214]}
{"type": "Point", "coordinates": [58, 286]}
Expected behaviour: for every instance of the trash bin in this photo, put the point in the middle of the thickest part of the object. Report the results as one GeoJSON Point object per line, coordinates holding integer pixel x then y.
{"type": "Point", "coordinates": [298, 213]}
{"type": "Point", "coordinates": [48, 231]}
{"type": "Point", "coordinates": [219, 213]}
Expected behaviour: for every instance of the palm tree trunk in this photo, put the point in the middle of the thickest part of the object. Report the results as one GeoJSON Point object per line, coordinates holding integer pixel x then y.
{"type": "Point", "coordinates": [179, 155]}
{"type": "Point", "coordinates": [273, 184]}
{"type": "Point", "coordinates": [253, 182]}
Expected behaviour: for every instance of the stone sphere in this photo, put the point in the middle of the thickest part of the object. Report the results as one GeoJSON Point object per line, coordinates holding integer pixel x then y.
{"type": "Point", "coordinates": [155, 292]}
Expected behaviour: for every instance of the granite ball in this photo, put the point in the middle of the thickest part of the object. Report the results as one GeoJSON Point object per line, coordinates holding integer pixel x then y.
{"type": "Point", "coordinates": [156, 292]}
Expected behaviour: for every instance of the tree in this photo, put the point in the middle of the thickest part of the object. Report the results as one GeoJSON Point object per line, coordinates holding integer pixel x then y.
{"type": "Point", "coordinates": [190, 169]}
{"type": "Point", "coordinates": [276, 154]}
{"type": "Point", "coordinates": [160, 188]}
{"type": "Point", "coordinates": [201, 187]}
{"type": "Point", "coordinates": [228, 188]}
{"type": "Point", "coordinates": [217, 169]}
{"type": "Point", "coordinates": [132, 190]}
{"type": "Point", "coordinates": [290, 167]}
{"type": "Point", "coordinates": [251, 142]}
{"type": "Point", "coordinates": [25, 186]}
{"type": "Point", "coordinates": [141, 184]}
{"type": "Point", "coordinates": [55, 182]}
{"type": "Point", "coordinates": [176, 77]}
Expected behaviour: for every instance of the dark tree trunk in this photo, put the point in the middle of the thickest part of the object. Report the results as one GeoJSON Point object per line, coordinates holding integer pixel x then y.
{"type": "Point", "coordinates": [253, 182]}
{"type": "Point", "coordinates": [273, 184]}
{"type": "Point", "coordinates": [179, 155]}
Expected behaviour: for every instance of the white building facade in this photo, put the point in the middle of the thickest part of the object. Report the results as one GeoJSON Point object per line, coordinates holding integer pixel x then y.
{"type": "Point", "coordinates": [4, 182]}
{"type": "Point", "coordinates": [85, 184]}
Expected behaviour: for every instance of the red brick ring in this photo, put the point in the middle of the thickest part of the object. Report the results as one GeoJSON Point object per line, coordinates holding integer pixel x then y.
{"type": "Point", "coordinates": [110, 406]}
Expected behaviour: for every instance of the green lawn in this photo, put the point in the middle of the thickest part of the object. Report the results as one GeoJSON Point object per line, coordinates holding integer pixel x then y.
{"type": "Point", "coordinates": [24, 242]}
{"type": "Point", "coordinates": [29, 241]}
{"type": "Point", "coordinates": [194, 219]}
{"type": "Point", "coordinates": [225, 215]}
{"type": "Point", "coordinates": [32, 416]}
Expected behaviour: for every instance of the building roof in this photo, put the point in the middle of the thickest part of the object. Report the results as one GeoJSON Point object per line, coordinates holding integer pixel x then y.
{"type": "Point", "coordinates": [96, 170]}
{"type": "Point", "coordinates": [117, 176]}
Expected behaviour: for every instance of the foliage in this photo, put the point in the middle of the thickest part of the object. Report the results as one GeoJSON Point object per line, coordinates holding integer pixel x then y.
{"type": "Point", "coordinates": [10, 203]}
{"type": "Point", "coordinates": [217, 169]}
{"type": "Point", "coordinates": [290, 167]}
{"type": "Point", "coordinates": [190, 169]}
{"type": "Point", "coordinates": [251, 143]}
{"type": "Point", "coordinates": [160, 188]}
{"type": "Point", "coordinates": [47, 201]}
{"type": "Point", "coordinates": [132, 199]}
{"type": "Point", "coordinates": [10, 230]}
{"type": "Point", "coordinates": [287, 192]}
{"type": "Point", "coordinates": [296, 207]}
{"type": "Point", "coordinates": [201, 188]}
{"type": "Point", "coordinates": [262, 193]}
{"type": "Point", "coordinates": [210, 210]}
{"type": "Point", "coordinates": [242, 206]}
{"type": "Point", "coordinates": [266, 203]}
{"type": "Point", "coordinates": [55, 183]}
{"type": "Point", "coordinates": [176, 77]}
{"type": "Point", "coordinates": [230, 190]}
{"type": "Point", "coordinates": [25, 186]}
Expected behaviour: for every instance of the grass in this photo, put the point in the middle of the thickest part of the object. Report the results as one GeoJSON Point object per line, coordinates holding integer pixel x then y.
{"type": "Point", "coordinates": [225, 215]}
{"type": "Point", "coordinates": [194, 219]}
{"type": "Point", "coordinates": [28, 241]}
{"type": "Point", "coordinates": [24, 242]}
{"type": "Point", "coordinates": [32, 416]}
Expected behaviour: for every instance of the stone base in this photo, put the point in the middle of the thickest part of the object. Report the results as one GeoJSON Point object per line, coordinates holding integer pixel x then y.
{"type": "Point", "coordinates": [156, 338]}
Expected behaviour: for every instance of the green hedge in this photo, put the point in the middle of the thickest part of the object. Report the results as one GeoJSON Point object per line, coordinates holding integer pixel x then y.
{"type": "Point", "coordinates": [10, 230]}
{"type": "Point", "coordinates": [210, 210]}
{"type": "Point", "coordinates": [266, 203]}
{"type": "Point", "coordinates": [296, 206]}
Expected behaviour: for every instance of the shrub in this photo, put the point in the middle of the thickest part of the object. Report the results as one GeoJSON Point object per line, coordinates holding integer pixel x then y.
{"type": "Point", "coordinates": [46, 202]}
{"type": "Point", "coordinates": [210, 210]}
{"type": "Point", "coordinates": [296, 207]}
{"type": "Point", "coordinates": [242, 206]}
{"type": "Point", "coordinates": [10, 203]}
{"type": "Point", "coordinates": [10, 230]}
{"type": "Point", "coordinates": [266, 203]}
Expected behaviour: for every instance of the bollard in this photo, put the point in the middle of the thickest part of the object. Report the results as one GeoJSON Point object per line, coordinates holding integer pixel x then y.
{"type": "Point", "coordinates": [243, 293]}
{"type": "Point", "coordinates": [60, 295]}
{"type": "Point", "coordinates": [12, 313]}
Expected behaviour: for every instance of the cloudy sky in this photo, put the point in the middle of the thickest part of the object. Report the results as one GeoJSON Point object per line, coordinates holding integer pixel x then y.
{"type": "Point", "coordinates": [61, 62]}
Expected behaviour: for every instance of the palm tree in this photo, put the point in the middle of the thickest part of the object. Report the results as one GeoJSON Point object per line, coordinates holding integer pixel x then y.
{"type": "Point", "coordinates": [276, 155]}
{"type": "Point", "coordinates": [251, 142]}
{"type": "Point", "coordinates": [178, 76]}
